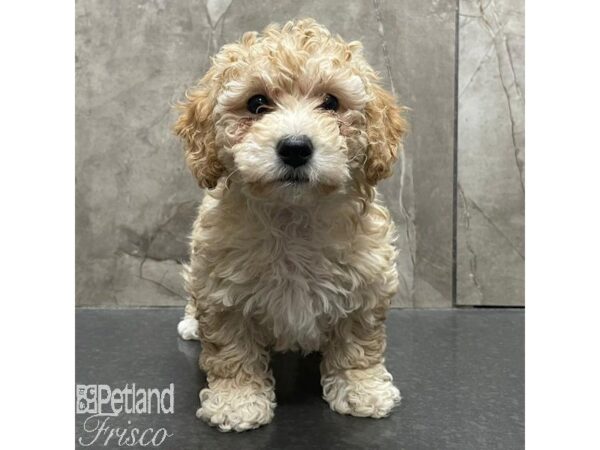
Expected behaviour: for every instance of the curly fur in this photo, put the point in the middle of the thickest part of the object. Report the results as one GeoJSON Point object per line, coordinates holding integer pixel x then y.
{"type": "Point", "coordinates": [277, 265]}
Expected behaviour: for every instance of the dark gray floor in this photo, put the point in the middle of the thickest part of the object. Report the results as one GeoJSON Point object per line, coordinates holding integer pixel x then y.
{"type": "Point", "coordinates": [460, 372]}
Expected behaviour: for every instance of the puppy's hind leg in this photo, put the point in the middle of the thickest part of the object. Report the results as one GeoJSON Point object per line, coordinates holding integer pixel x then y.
{"type": "Point", "coordinates": [188, 326]}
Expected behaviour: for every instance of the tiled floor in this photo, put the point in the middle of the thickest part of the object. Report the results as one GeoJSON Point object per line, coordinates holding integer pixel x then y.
{"type": "Point", "coordinates": [461, 374]}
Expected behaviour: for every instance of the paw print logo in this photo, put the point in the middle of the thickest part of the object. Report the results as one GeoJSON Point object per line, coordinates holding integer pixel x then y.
{"type": "Point", "coordinates": [86, 399]}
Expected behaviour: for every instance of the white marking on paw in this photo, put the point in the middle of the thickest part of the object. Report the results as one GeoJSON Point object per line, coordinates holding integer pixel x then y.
{"type": "Point", "coordinates": [362, 393]}
{"type": "Point", "coordinates": [188, 328]}
{"type": "Point", "coordinates": [236, 408]}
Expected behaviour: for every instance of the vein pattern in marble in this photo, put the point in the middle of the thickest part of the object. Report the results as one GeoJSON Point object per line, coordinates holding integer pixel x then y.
{"type": "Point", "coordinates": [491, 145]}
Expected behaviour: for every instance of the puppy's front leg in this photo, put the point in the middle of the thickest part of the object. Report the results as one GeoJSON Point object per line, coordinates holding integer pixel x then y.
{"type": "Point", "coordinates": [353, 376]}
{"type": "Point", "coordinates": [240, 393]}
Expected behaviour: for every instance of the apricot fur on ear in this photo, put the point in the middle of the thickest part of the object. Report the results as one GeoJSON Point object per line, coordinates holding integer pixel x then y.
{"type": "Point", "coordinates": [385, 128]}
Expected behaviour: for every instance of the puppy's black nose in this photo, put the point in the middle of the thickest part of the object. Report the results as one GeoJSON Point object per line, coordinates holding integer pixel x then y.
{"type": "Point", "coordinates": [295, 151]}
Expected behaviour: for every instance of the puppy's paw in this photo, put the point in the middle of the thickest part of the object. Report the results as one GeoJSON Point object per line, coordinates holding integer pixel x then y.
{"type": "Point", "coordinates": [361, 392]}
{"type": "Point", "coordinates": [188, 328]}
{"type": "Point", "coordinates": [233, 408]}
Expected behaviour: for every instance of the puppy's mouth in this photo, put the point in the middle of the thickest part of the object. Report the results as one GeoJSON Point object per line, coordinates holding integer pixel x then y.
{"type": "Point", "coordinates": [293, 178]}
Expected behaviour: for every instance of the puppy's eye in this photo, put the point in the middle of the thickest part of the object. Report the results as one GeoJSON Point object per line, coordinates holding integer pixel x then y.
{"type": "Point", "coordinates": [258, 104]}
{"type": "Point", "coordinates": [330, 103]}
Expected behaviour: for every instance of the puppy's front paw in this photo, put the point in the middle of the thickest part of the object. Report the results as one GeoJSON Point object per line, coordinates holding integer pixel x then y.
{"type": "Point", "coordinates": [361, 392]}
{"type": "Point", "coordinates": [188, 328]}
{"type": "Point", "coordinates": [235, 408]}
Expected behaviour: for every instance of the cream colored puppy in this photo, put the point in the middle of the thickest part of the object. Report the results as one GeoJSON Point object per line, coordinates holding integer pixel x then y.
{"type": "Point", "coordinates": [290, 130]}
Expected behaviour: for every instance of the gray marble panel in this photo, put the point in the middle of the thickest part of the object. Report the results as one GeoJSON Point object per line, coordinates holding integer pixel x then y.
{"type": "Point", "coordinates": [136, 200]}
{"type": "Point", "coordinates": [420, 41]}
{"type": "Point", "coordinates": [491, 140]}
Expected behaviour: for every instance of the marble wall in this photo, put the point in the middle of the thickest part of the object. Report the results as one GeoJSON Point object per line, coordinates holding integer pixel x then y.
{"type": "Point", "coordinates": [491, 144]}
{"type": "Point", "coordinates": [135, 199]}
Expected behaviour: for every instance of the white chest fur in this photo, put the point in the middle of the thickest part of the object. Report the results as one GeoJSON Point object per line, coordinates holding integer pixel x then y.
{"type": "Point", "coordinates": [294, 271]}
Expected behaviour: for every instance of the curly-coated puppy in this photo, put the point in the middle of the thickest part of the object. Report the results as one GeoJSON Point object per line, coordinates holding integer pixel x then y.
{"type": "Point", "coordinates": [291, 131]}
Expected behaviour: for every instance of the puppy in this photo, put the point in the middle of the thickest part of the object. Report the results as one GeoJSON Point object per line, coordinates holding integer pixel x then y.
{"type": "Point", "coordinates": [290, 131]}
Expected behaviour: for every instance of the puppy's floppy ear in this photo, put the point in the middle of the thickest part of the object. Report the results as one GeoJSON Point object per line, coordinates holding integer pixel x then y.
{"type": "Point", "coordinates": [197, 128]}
{"type": "Point", "coordinates": [385, 128]}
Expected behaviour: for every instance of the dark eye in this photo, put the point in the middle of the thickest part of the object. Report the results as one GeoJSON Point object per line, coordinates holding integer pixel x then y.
{"type": "Point", "coordinates": [330, 103]}
{"type": "Point", "coordinates": [258, 104]}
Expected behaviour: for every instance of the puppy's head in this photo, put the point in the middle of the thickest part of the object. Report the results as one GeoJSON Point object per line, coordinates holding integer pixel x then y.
{"type": "Point", "coordinates": [290, 113]}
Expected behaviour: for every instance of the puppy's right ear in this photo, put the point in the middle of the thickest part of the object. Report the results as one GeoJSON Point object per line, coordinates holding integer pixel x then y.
{"type": "Point", "coordinates": [196, 127]}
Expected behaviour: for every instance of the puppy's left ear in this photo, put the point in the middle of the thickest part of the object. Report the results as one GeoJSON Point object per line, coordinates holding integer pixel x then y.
{"type": "Point", "coordinates": [385, 128]}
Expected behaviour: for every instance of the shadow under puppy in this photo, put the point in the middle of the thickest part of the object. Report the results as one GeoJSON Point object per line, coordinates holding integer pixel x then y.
{"type": "Point", "coordinates": [290, 131]}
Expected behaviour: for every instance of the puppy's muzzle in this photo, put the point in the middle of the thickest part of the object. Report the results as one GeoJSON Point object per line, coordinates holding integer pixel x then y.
{"type": "Point", "coordinates": [295, 151]}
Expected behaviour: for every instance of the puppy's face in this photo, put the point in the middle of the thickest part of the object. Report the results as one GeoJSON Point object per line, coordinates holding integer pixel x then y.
{"type": "Point", "coordinates": [290, 114]}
